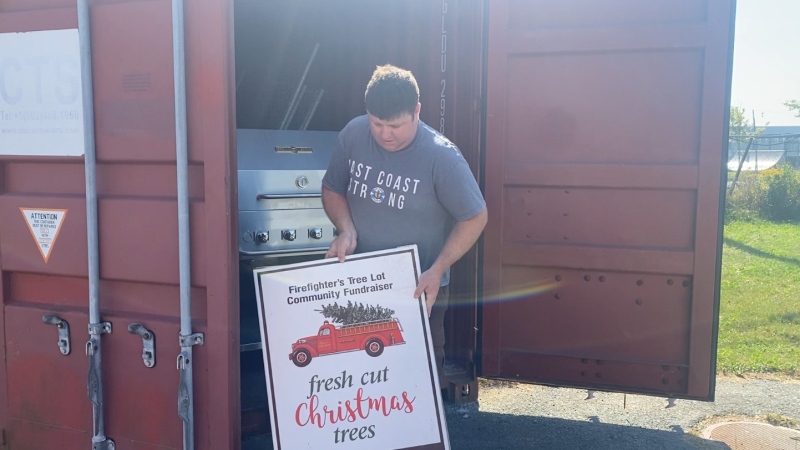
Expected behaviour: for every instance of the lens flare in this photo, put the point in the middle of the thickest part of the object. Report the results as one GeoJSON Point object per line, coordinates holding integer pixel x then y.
{"type": "Point", "coordinates": [533, 289]}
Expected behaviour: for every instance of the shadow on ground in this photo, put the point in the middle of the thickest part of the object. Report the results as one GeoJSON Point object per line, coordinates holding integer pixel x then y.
{"type": "Point", "coordinates": [481, 430]}
{"type": "Point", "coordinates": [760, 253]}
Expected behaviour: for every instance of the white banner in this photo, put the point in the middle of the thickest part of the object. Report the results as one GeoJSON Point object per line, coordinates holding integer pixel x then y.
{"type": "Point", "coordinates": [41, 106]}
{"type": "Point", "coordinates": [348, 354]}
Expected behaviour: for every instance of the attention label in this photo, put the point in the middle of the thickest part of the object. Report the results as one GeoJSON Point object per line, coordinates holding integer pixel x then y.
{"type": "Point", "coordinates": [44, 225]}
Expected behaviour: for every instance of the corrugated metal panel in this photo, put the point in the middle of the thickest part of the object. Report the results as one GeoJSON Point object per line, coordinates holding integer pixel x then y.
{"type": "Point", "coordinates": [603, 165]}
{"type": "Point", "coordinates": [132, 69]}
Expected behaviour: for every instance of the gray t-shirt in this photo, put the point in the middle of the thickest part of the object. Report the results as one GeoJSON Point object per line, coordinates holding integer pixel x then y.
{"type": "Point", "coordinates": [412, 196]}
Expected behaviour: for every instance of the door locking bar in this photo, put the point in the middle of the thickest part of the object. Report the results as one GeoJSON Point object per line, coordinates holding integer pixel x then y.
{"type": "Point", "coordinates": [63, 331]}
{"type": "Point", "coordinates": [95, 385]}
{"type": "Point", "coordinates": [96, 326]}
{"type": "Point", "coordinates": [186, 385]}
{"type": "Point", "coordinates": [148, 343]}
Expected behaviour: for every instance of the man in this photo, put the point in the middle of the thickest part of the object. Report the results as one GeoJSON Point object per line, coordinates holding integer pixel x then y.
{"type": "Point", "coordinates": [393, 181]}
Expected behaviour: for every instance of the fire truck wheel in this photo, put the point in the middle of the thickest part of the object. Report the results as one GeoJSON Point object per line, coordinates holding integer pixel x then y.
{"type": "Point", "coordinates": [301, 358]}
{"type": "Point", "coordinates": [374, 347]}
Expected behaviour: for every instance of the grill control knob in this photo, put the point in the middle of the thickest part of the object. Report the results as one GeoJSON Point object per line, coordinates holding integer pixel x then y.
{"type": "Point", "coordinates": [289, 235]}
{"type": "Point", "coordinates": [262, 237]}
{"type": "Point", "coordinates": [335, 232]}
{"type": "Point", "coordinates": [315, 233]}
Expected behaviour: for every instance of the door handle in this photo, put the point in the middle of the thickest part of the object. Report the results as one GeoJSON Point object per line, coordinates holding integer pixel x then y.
{"type": "Point", "coordinates": [287, 196]}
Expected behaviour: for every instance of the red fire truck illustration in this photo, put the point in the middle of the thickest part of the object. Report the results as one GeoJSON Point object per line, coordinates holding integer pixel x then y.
{"type": "Point", "coordinates": [371, 337]}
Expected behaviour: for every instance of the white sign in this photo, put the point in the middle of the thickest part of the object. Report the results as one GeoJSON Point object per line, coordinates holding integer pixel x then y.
{"type": "Point", "coordinates": [348, 354]}
{"type": "Point", "coordinates": [44, 224]}
{"type": "Point", "coordinates": [41, 105]}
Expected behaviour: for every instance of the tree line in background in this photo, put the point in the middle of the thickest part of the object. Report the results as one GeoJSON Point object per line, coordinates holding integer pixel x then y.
{"type": "Point", "coordinates": [740, 125]}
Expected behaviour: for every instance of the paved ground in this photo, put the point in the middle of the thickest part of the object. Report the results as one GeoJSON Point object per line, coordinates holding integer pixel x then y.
{"type": "Point", "coordinates": [515, 416]}
{"type": "Point", "coordinates": [518, 416]}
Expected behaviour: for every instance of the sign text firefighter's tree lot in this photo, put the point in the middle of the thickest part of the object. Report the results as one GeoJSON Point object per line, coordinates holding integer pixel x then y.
{"type": "Point", "coordinates": [345, 282]}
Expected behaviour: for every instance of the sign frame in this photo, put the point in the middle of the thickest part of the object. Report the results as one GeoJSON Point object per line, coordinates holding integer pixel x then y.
{"type": "Point", "coordinates": [428, 396]}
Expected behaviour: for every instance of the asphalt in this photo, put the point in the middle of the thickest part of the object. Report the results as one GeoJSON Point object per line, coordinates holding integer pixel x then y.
{"type": "Point", "coordinates": [519, 416]}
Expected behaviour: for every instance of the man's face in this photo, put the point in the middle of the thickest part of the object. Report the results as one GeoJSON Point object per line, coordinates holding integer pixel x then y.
{"type": "Point", "coordinates": [394, 134]}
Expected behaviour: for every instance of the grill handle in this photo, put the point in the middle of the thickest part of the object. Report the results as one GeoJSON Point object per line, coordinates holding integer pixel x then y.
{"type": "Point", "coordinates": [299, 251]}
{"type": "Point", "coordinates": [285, 196]}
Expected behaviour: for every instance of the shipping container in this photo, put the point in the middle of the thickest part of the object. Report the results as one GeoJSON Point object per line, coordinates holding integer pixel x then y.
{"type": "Point", "coordinates": [597, 131]}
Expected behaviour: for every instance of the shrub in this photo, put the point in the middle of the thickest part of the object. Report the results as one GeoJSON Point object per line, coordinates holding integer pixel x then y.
{"type": "Point", "coordinates": [747, 200]}
{"type": "Point", "coordinates": [773, 195]}
{"type": "Point", "coordinates": [782, 192]}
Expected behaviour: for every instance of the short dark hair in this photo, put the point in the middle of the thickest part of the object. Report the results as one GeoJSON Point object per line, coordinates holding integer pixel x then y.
{"type": "Point", "coordinates": [391, 92]}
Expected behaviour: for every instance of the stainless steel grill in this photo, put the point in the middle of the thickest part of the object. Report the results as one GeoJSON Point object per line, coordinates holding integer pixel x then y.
{"type": "Point", "coordinates": [280, 186]}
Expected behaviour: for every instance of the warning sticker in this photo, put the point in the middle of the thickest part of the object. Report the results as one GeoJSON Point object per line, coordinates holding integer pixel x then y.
{"type": "Point", "coordinates": [44, 225]}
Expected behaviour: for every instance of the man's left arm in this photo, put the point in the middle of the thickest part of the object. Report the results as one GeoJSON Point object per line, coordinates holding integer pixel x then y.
{"type": "Point", "coordinates": [463, 236]}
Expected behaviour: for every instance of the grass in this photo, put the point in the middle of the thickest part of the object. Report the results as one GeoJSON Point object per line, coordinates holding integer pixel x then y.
{"type": "Point", "coordinates": [759, 331]}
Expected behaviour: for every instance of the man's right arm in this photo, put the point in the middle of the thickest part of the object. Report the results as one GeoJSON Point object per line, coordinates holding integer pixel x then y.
{"type": "Point", "coordinates": [338, 212]}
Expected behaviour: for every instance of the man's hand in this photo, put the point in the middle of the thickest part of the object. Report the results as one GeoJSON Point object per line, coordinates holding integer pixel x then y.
{"type": "Point", "coordinates": [342, 245]}
{"type": "Point", "coordinates": [338, 211]}
{"type": "Point", "coordinates": [429, 283]}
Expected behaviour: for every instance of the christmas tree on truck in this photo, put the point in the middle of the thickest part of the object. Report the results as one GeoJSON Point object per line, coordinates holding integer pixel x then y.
{"type": "Point", "coordinates": [355, 313]}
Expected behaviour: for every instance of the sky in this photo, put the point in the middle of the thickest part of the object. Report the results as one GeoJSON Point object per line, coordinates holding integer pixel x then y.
{"type": "Point", "coordinates": [766, 60]}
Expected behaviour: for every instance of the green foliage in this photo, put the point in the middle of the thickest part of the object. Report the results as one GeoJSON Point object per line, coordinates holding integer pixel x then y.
{"type": "Point", "coordinates": [782, 191]}
{"type": "Point", "coordinates": [746, 201]}
{"type": "Point", "coordinates": [759, 323]}
{"type": "Point", "coordinates": [794, 105]}
{"type": "Point", "coordinates": [355, 313]}
{"type": "Point", "coordinates": [740, 125]}
{"type": "Point", "coordinates": [773, 195]}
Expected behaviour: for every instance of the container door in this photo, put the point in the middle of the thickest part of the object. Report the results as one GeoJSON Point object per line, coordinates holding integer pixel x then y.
{"type": "Point", "coordinates": [605, 142]}
{"type": "Point", "coordinates": [43, 392]}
